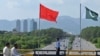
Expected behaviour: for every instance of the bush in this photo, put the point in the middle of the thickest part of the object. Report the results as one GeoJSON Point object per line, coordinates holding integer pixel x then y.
{"type": "Point", "coordinates": [97, 45]}
{"type": "Point", "coordinates": [94, 40]}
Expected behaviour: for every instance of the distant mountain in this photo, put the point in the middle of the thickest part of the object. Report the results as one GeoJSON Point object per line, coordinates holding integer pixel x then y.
{"type": "Point", "coordinates": [68, 24]}
{"type": "Point", "coordinates": [7, 25]}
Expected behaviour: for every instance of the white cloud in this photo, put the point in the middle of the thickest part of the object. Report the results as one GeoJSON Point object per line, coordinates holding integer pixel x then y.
{"type": "Point", "coordinates": [52, 1]}
{"type": "Point", "coordinates": [12, 4]}
{"type": "Point", "coordinates": [60, 1]}
{"type": "Point", "coordinates": [83, 1]}
{"type": "Point", "coordinates": [17, 3]}
{"type": "Point", "coordinates": [27, 1]}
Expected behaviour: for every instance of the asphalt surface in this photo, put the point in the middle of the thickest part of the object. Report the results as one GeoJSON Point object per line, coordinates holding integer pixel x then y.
{"type": "Point", "coordinates": [78, 44]}
{"type": "Point", "coordinates": [63, 46]}
{"type": "Point", "coordinates": [85, 45]}
{"type": "Point", "coordinates": [81, 44]}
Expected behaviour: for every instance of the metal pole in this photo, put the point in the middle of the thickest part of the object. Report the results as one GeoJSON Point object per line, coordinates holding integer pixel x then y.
{"type": "Point", "coordinates": [39, 33]}
{"type": "Point", "coordinates": [80, 29]}
{"type": "Point", "coordinates": [39, 37]}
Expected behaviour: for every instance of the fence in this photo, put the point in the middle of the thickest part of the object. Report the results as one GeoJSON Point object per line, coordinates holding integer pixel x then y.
{"type": "Point", "coordinates": [62, 52]}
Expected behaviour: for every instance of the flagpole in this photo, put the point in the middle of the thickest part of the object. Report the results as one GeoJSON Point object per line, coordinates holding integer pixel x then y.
{"type": "Point", "coordinates": [39, 36]}
{"type": "Point", "coordinates": [80, 28]}
{"type": "Point", "coordinates": [39, 33]}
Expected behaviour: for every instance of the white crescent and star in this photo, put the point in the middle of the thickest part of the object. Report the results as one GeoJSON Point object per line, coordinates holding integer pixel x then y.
{"type": "Point", "coordinates": [91, 14]}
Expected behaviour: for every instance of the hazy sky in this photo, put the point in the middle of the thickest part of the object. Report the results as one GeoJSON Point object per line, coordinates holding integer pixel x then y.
{"type": "Point", "coordinates": [22, 9]}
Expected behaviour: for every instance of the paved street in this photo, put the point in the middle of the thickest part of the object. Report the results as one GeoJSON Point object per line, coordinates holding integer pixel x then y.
{"type": "Point", "coordinates": [63, 42]}
{"type": "Point", "coordinates": [85, 45]}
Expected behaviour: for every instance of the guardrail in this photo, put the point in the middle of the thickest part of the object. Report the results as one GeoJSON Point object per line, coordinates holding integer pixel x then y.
{"type": "Point", "coordinates": [81, 53]}
{"type": "Point", "coordinates": [48, 52]}
{"type": "Point", "coordinates": [68, 53]}
{"type": "Point", "coordinates": [26, 52]}
{"type": "Point", "coordinates": [23, 51]}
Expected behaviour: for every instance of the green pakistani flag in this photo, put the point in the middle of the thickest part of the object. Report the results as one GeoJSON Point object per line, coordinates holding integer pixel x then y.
{"type": "Point", "coordinates": [91, 14]}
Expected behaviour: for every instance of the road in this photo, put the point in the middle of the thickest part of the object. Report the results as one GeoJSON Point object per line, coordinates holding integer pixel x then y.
{"type": "Point", "coordinates": [85, 45]}
{"type": "Point", "coordinates": [63, 44]}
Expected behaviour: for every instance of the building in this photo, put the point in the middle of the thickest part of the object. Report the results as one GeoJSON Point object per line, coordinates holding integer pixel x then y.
{"type": "Point", "coordinates": [18, 26]}
{"type": "Point", "coordinates": [33, 25]}
{"type": "Point", "coordinates": [25, 26]}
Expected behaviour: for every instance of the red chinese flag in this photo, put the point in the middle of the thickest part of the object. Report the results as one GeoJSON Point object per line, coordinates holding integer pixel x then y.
{"type": "Point", "coordinates": [48, 14]}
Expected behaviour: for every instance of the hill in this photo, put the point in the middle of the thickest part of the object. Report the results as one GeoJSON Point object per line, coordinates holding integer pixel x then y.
{"type": "Point", "coordinates": [68, 24]}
